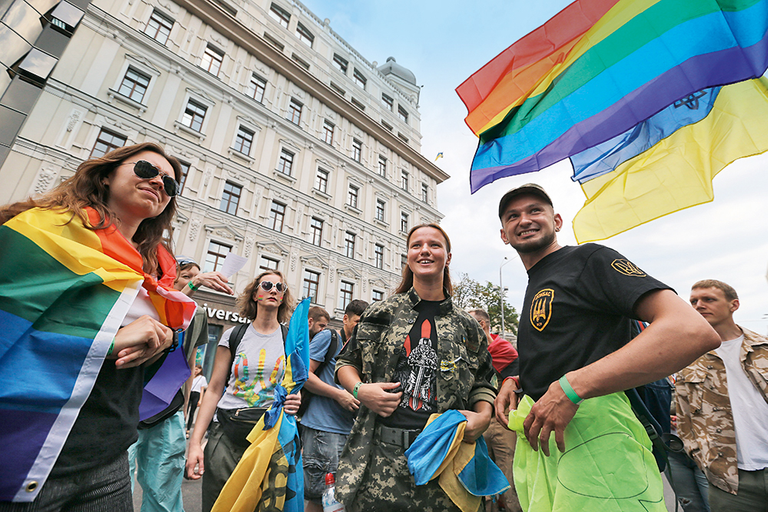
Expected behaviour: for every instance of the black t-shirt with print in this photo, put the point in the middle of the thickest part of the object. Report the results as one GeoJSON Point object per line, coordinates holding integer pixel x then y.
{"type": "Point", "coordinates": [577, 309]}
{"type": "Point", "coordinates": [417, 371]}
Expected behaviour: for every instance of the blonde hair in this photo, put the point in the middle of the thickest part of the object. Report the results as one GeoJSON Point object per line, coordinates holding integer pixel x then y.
{"type": "Point", "coordinates": [249, 308]}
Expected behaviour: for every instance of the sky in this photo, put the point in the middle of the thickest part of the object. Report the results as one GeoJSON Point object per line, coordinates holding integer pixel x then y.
{"type": "Point", "coordinates": [443, 43]}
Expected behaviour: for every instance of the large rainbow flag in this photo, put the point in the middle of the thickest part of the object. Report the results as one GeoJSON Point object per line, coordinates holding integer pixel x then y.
{"type": "Point", "coordinates": [64, 291]}
{"type": "Point", "coordinates": [270, 475]}
{"type": "Point", "coordinates": [600, 67]}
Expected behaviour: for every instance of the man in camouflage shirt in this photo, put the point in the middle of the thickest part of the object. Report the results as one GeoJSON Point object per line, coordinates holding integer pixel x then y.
{"type": "Point", "coordinates": [722, 405]}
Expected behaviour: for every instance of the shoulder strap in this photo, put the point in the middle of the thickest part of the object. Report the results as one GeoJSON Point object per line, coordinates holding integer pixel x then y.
{"type": "Point", "coordinates": [332, 347]}
{"type": "Point", "coordinates": [284, 330]}
{"type": "Point", "coordinates": [234, 341]}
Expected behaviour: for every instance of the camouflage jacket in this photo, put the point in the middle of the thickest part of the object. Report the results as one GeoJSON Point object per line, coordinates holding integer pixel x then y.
{"type": "Point", "coordinates": [463, 378]}
{"type": "Point", "coordinates": [704, 418]}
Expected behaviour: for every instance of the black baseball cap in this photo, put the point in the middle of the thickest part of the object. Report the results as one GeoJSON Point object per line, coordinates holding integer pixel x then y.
{"type": "Point", "coordinates": [528, 188]}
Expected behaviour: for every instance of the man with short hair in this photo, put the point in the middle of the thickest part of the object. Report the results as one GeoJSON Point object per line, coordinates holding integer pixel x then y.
{"type": "Point", "coordinates": [722, 405]}
{"type": "Point", "coordinates": [574, 344]}
{"type": "Point", "coordinates": [500, 440]}
{"type": "Point", "coordinates": [331, 413]}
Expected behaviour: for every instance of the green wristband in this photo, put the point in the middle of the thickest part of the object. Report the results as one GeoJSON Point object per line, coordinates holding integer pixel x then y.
{"type": "Point", "coordinates": [192, 287]}
{"type": "Point", "coordinates": [569, 392]}
{"type": "Point", "coordinates": [356, 389]}
{"type": "Point", "coordinates": [111, 346]}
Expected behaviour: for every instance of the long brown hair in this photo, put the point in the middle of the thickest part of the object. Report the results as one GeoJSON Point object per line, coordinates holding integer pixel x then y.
{"type": "Point", "coordinates": [87, 188]}
{"type": "Point", "coordinates": [407, 281]}
{"type": "Point", "coordinates": [249, 308]}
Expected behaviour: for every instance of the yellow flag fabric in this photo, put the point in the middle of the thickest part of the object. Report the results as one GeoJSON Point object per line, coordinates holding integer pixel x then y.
{"type": "Point", "coordinates": [677, 172]}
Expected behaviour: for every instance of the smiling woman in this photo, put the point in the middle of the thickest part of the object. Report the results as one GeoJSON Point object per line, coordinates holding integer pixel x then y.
{"type": "Point", "coordinates": [98, 306]}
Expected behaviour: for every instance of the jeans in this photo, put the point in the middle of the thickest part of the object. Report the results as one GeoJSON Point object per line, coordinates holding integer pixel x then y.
{"type": "Point", "coordinates": [321, 451]}
{"type": "Point", "coordinates": [752, 494]}
{"type": "Point", "coordinates": [688, 481]}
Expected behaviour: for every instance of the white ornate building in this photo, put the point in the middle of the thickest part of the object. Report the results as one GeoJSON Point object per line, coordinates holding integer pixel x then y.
{"type": "Point", "coordinates": [298, 153]}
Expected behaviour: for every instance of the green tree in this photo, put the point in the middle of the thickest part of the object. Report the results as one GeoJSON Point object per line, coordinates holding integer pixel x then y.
{"type": "Point", "coordinates": [470, 294]}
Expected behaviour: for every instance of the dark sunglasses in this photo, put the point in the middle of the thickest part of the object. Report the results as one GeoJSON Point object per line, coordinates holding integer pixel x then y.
{"type": "Point", "coordinates": [147, 171]}
{"type": "Point", "coordinates": [267, 285]}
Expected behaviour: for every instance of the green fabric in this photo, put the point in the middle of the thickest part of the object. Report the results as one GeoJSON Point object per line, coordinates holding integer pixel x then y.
{"type": "Point", "coordinates": [607, 464]}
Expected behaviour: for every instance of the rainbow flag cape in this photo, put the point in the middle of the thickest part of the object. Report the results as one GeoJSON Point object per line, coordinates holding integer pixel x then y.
{"type": "Point", "coordinates": [64, 291]}
{"type": "Point", "coordinates": [600, 67]}
{"type": "Point", "coordinates": [677, 172]}
{"type": "Point", "coordinates": [270, 475]}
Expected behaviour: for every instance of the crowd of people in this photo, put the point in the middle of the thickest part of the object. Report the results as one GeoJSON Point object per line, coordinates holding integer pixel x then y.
{"type": "Point", "coordinates": [553, 412]}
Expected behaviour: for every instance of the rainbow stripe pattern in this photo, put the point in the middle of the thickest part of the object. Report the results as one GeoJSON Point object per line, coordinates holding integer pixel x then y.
{"type": "Point", "coordinates": [600, 67]}
{"type": "Point", "coordinates": [64, 292]}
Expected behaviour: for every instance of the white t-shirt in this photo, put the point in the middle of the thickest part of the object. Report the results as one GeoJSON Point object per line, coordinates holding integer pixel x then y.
{"type": "Point", "coordinates": [198, 383]}
{"type": "Point", "coordinates": [750, 411]}
{"type": "Point", "coordinates": [257, 368]}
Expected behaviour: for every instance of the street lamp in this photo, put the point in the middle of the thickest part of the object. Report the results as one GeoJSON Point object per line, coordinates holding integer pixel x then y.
{"type": "Point", "coordinates": [501, 294]}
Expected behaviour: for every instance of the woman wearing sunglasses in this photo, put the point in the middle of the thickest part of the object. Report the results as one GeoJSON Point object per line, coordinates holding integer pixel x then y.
{"type": "Point", "coordinates": [246, 374]}
{"type": "Point", "coordinates": [86, 302]}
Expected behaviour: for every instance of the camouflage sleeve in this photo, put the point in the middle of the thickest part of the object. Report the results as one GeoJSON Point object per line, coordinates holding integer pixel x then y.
{"type": "Point", "coordinates": [482, 389]}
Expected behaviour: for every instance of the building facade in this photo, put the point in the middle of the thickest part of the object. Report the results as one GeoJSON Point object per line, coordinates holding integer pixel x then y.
{"type": "Point", "coordinates": [298, 153]}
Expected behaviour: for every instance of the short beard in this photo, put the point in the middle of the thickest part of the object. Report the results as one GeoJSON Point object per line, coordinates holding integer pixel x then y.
{"type": "Point", "coordinates": [532, 247]}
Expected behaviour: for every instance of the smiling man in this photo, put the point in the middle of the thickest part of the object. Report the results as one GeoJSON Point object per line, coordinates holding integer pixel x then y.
{"type": "Point", "coordinates": [722, 405]}
{"type": "Point", "coordinates": [576, 358]}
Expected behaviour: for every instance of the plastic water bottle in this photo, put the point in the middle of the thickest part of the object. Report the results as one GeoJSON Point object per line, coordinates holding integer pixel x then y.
{"type": "Point", "coordinates": [329, 499]}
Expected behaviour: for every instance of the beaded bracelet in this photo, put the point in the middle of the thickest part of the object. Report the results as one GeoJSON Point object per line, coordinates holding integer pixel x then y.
{"type": "Point", "coordinates": [569, 392]}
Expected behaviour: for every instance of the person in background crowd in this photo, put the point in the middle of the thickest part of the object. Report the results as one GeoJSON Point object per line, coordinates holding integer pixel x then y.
{"type": "Point", "coordinates": [500, 440]}
{"type": "Point", "coordinates": [412, 355]}
{"type": "Point", "coordinates": [352, 314]}
{"type": "Point", "coordinates": [722, 405]}
{"type": "Point", "coordinates": [196, 394]}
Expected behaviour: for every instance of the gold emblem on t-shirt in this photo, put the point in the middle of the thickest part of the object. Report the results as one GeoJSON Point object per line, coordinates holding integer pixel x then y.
{"type": "Point", "coordinates": [541, 308]}
{"type": "Point", "coordinates": [627, 268]}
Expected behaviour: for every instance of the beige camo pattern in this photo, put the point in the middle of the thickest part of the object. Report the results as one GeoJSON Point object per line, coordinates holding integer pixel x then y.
{"type": "Point", "coordinates": [704, 417]}
{"type": "Point", "coordinates": [464, 373]}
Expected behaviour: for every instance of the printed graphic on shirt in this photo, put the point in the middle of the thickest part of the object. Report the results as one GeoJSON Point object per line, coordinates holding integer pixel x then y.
{"type": "Point", "coordinates": [260, 388]}
{"type": "Point", "coordinates": [417, 371]}
{"type": "Point", "coordinates": [627, 268]}
{"type": "Point", "coordinates": [541, 308]}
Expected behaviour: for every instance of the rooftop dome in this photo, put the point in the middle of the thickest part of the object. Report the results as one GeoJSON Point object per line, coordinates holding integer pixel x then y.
{"type": "Point", "coordinates": [391, 67]}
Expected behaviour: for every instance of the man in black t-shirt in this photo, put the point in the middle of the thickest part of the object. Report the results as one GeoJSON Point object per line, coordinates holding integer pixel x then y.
{"type": "Point", "coordinates": [574, 338]}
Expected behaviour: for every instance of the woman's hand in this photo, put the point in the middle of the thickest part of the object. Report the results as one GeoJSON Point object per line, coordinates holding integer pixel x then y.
{"type": "Point", "coordinates": [195, 466]}
{"type": "Point", "coordinates": [213, 280]}
{"type": "Point", "coordinates": [379, 398]}
{"type": "Point", "coordinates": [292, 404]}
{"type": "Point", "coordinates": [140, 341]}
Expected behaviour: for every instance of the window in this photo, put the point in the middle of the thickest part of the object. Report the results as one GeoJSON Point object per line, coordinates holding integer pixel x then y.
{"type": "Point", "coordinates": [386, 125]}
{"type": "Point", "coordinates": [402, 114]}
{"type": "Point", "coordinates": [194, 115]}
{"type": "Point", "coordinates": [380, 209]}
{"type": "Point", "coordinates": [357, 104]}
{"type": "Point", "coordinates": [378, 252]}
{"type": "Point", "coordinates": [349, 244]}
{"type": "Point", "coordinates": [352, 196]}
{"type": "Point", "coordinates": [230, 198]}
{"type": "Point", "coordinates": [268, 263]}
{"type": "Point", "coordinates": [243, 141]}
{"type": "Point", "coordinates": [159, 27]}
{"type": "Point", "coordinates": [304, 35]}
{"type": "Point", "coordinates": [294, 111]}
{"type": "Point", "coordinates": [357, 150]}
{"type": "Point", "coordinates": [106, 142]}
{"type": "Point", "coordinates": [285, 163]}
{"type": "Point", "coordinates": [328, 132]}
{"type": "Point", "coordinates": [134, 85]}
{"type": "Point", "coordinates": [184, 174]}
{"type": "Point", "coordinates": [338, 89]}
{"type": "Point", "coordinates": [387, 101]}
{"type": "Point", "coordinates": [215, 257]}
{"type": "Point", "coordinates": [403, 260]}
{"type": "Point", "coordinates": [345, 294]}
{"type": "Point", "coordinates": [424, 192]}
{"type": "Point", "coordinates": [276, 216]}
{"type": "Point", "coordinates": [300, 61]}
{"type": "Point", "coordinates": [403, 222]}
{"type": "Point", "coordinates": [402, 137]}
{"type": "Point", "coordinates": [280, 15]}
{"type": "Point", "coordinates": [404, 180]}
{"type": "Point", "coordinates": [340, 63]}
{"type": "Point", "coordinates": [273, 41]}
{"type": "Point", "coordinates": [321, 181]}
{"type": "Point", "coordinates": [377, 295]}
{"type": "Point", "coordinates": [316, 230]}
{"type": "Point", "coordinates": [359, 78]}
{"type": "Point", "coordinates": [311, 283]}
{"type": "Point", "coordinates": [382, 166]}
{"type": "Point", "coordinates": [212, 59]}
{"type": "Point", "coordinates": [257, 87]}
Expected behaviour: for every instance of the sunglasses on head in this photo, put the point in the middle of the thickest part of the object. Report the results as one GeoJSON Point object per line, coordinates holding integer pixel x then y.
{"type": "Point", "coordinates": [147, 171]}
{"type": "Point", "coordinates": [267, 285]}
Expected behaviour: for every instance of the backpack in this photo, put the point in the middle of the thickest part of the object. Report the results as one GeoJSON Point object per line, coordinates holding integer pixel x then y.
{"type": "Point", "coordinates": [306, 395]}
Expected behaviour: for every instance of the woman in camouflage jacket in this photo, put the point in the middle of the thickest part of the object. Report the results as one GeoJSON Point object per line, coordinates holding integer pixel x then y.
{"type": "Point", "coordinates": [373, 473]}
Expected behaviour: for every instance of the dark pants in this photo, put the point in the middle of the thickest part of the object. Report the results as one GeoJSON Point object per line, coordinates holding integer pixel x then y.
{"type": "Point", "coordinates": [106, 488]}
{"type": "Point", "coordinates": [194, 397]}
{"type": "Point", "coordinates": [752, 495]}
{"type": "Point", "coordinates": [220, 458]}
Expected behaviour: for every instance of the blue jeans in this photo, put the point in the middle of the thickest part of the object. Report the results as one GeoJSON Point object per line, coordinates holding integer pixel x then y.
{"type": "Point", "coordinates": [688, 481]}
{"type": "Point", "coordinates": [160, 456]}
{"type": "Point", "coordinates": [320, 453]}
